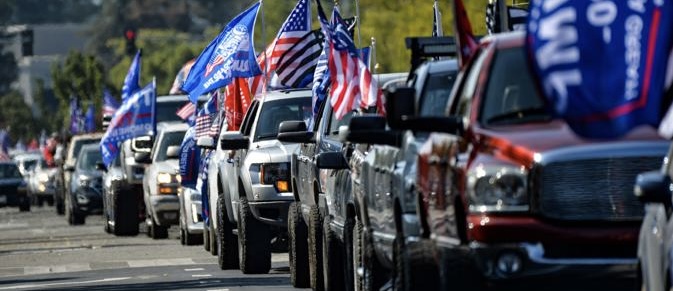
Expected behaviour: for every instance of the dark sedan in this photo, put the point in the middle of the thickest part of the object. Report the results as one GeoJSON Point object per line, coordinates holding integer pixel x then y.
{"type": "Point", "coordinates": [13, 187]}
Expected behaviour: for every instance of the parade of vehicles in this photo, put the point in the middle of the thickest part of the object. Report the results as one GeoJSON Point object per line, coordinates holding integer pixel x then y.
{"type": "Point", "coordinates": [62, 176]}
{"type": "Point", "coordinates": [13, 190]}
{"type": "Point", "coordinates": [161, 179]}
{"type": "Point", "coordinates": [86, 185]}
{"type": "Point", "coordinates": [127, 190]}
{"type": "Point", "coordinates": [254, 191]}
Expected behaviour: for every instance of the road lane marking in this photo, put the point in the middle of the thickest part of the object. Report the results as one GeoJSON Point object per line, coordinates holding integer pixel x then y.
{"type": "Point", "coordinates": [217, 290]}
{"type": "Point", "coordinates": [194, 269]}
{"type": "Point", "coordinates": [201, 275]}
{"type": "Point", "coordinates": [40, 286]}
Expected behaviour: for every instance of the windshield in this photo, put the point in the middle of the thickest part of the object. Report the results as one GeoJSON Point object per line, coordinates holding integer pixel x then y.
{"type": "Point", "coordinates": [88, 159]}
{"type": "Point", "coordinates": [510, 95]}
{"type": "Point", "coordinates": [166, 111]}
{"type": "Point", "coordinates": [81, 142]}
{"type": "Point", "coordinates": [275, 112]}
{"type": "Point", "coordinates": [9, 171]}
{"type": "Point", "coordinates": [436, 93]}
{"type": "Point", "coordinates": [173, 138]}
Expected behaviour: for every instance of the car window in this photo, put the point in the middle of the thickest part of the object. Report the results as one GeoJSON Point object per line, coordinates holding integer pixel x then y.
{"type": "Point", "coordinates": [87, 160]}
{"type": "Point", "coordinates": [274, 112]}
{"type": "Point", "coordinates": [436, 93]}
{"type": "Point", "coordinates": [167, 110]}
{"type": "Point", "coordinates": [510, 95]}
{"type": "Point", "coordinates": [334, 124]}
{"type": "Point", "coordinates": [173, 138]}
{"type": "Point", "coordinates": [246, 125]}
{"type": "Point", "coordinates": [9, 171]}
{"type": "Point", "coordinates": [462, 108]}
{"type": "Point", "coordinates": [81, 142]}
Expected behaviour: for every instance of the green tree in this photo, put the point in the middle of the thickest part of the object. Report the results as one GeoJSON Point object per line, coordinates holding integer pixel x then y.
{"type": "Point", "coordinates": [82, 77]}
{"type": "Point", "coordinates": [15, 114]}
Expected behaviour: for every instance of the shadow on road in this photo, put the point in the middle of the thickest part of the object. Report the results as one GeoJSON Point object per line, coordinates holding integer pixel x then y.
{"type": "Point", "coordinates": [199, 284]}
{"type": "Point", "coordinates": [21, 281]}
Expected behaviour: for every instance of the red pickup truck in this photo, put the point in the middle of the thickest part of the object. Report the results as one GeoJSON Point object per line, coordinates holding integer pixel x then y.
{"type": "Point", "coordinates": [509, 191]}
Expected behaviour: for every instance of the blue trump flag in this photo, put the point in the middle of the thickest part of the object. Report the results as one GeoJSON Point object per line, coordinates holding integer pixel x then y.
{"type": "Point", "coordinates": [136, 117]}
{"type": "Point", "coordinates": [601, 64]}
{"type": "Point", "coordinates": [90, 119]}
{"type": "Point", "coordinates": [228, 56]}
{"type": "Point", "coordinates": [189, 160]}
{"type": "Point", "coordinates": [132, 80]}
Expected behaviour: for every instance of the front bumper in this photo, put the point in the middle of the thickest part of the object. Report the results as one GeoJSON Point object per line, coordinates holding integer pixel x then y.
{"type": "Point", "coordinates": [88, 200]}
{"type": "Point", "coordinates": [271, 212]}
{"type": "Point", "coordinates": [165, 209]}
{"type": "Point", "coordinates": [523, 247]}
{"type": "Point", "coordinates": [193, 209]}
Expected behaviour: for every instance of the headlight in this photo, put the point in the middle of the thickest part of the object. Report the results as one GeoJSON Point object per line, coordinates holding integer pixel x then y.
{"type": "Point", "coordinates": [498, 189]}
{"type": "Point", "coordinates": [277, 174]}
{"type": "Point", "coordinates": [84, 180]}
{"type": "Point", "coordinates": [43, 177]}
{"type": "Point", "coordinates": [166, 178]}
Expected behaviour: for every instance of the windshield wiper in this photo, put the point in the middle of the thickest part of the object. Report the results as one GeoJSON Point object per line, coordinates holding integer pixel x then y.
{"type": "Point", "coordinates": [518, 114]}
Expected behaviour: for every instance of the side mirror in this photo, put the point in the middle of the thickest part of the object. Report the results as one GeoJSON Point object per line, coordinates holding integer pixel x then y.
{"type": "Point", "coordinates": [69, 168]}
{"type": "Point", "coordinates": [206, 142]}
{"type": "Point", "coordinates": [400, 104]}
{"type": "Point", "coordinates": [294, 131]}
{"type": "Point", "coordinates": [101, 167]}
{"type": "Point", "coordinates": [234, 140]}
{"type": "Point", "coordinates": [449, 124]}
{"type": "Point", "coordinates": [142, 158]}
{"type": "Point", "coordinates": [653, 187]}
{"type": "Point", "coordinates": [331, 160]}
{"type": "Point", "coordinates": [142, 144]}
{"type": "Point", "coordinates": [370, 129]}
{"type": "Point", "coordinates": [173, 152]}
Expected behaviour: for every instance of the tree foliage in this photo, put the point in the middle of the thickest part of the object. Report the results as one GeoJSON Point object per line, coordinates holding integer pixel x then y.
{"type": "Point", "coordinates": [80, 76]}
{"type": "Point", "coordinates": [15, 114]}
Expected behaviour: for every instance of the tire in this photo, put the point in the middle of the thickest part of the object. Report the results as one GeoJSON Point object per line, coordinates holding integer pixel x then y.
{"type": "Point", "coordinates": [372, 272]}
{"type": "Point", "coordinates": [60, 206]}
{"type": "Point", "coordinates": [298, 247]}
{"type": "Point", "coordinates": [206, 238]}
{"type": "Point", "coordinates": [24, 204]}
{"type": "Point", "coordinates": [155, 231]}
{"type": "Point", "coordinates": [358, 282]}
{"type": "Point", "coordinates": [227, 253]}
{"type": "Point", "coordinates": [254, 242]}
{"type": "Point", "coordinates": [183, 233]}
{"type": "Point", "coordinates": [69, 215]}
{"type": "Point", "coordinates": [315, 249]}
{"type": "Point", "coordinates": [414, 264]}
{"type": "Point", "coordinates": [50, 201]}
{"type": "Point", "coordinates": [78, 218]}
{"type": "Point", "coordinates": [333, 263]}
{"type": "Point", "coordinates": [126, 221]}
{"type": "Point", "coordinates": [106, 221]}
{"type": "Point", "coordinates": [458, 271]}
{"type": "Point", "coordinates": [212, 238]}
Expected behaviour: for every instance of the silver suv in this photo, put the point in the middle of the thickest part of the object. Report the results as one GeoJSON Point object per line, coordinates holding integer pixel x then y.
{"type": "Point", "coordinates": [255, 181]}
{"type": "Point", "coordinates": [161, 180]}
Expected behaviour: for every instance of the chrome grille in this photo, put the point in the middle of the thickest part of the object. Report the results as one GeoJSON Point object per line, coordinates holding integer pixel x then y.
{"type": "Point", "coordinates": [592, 189]}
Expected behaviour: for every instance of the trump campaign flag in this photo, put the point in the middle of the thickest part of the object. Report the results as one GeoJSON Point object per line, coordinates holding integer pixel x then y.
{"type": "Point", "coordinates": [90, 119]}
{"type": "Point", "coordinates": [110, 104]}
{"type": "Point", "coordinates": [136, 117]}
{"type": "Point", "coordinates": [602, 64]}
{"type": "Point", "coordinates": [229, 55]}
{"type": "Point", "coordinates": [189, 159]}
{"type": "Point", "coordinates": [132, 79]}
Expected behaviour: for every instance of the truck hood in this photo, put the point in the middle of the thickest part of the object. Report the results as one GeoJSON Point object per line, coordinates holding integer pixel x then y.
{"type": "Point", "coordinates": [274, 150]}
{"type": "Point", "coordinates": [526, 143]}
{"type": "Point", "coordinates": [167, 166]}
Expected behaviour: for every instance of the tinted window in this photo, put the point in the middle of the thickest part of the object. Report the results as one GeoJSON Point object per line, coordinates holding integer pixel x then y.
{"type": "Point", "coordinates": [173, 138]}
{"type": "Point", "coordinates": [510, 95]}
{"type": "Point", "coordinates": [436, 93]}
{"type": "Point", "coordinates": [334, 124]}
{"type": "Point", "coordinates": [166, 111]}
{"type": "Point", "coordinates": [9, 171]}
{"type": "Point", "coordinates": [275, 112]}
{"type": "Point", "coordinates": [88, 159]}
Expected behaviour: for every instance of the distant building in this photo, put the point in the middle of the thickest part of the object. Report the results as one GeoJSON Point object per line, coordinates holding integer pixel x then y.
{"type": "Point", "coordinates": [36, 48]}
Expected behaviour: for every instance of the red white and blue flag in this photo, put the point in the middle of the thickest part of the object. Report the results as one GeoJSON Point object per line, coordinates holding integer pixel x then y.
{"type": "Point", "coordinates": [352, 84]}
{"type": "Point", "coordinates": [110, 104]}
{"type": "Point", "coordinates": [602, 64]}
{"type": "Point", "coordinates": [204, 119]}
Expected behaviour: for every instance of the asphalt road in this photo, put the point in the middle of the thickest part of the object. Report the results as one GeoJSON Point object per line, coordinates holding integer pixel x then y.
{"type": "Point", "coordinates": [40, 251]}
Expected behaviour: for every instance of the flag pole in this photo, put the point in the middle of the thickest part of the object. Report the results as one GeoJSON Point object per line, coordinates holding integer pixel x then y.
{"type": "Point", "coordinates": [357, 20]}
{"type": "Point", "coordinates": [266, 59]}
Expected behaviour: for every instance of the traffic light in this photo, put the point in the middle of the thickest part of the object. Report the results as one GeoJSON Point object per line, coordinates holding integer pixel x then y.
{"type": "Point", "coordinates": [130, 35]}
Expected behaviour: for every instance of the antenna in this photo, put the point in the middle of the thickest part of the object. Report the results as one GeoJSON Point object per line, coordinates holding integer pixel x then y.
{"type": "Point", "coordinates": [266, 59]}
{"type": "Point", "coordinates": [357, 20]}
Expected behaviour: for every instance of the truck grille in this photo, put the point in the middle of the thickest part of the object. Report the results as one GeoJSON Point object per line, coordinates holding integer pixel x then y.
{"type": "Point", "coordinates": [594, 189]}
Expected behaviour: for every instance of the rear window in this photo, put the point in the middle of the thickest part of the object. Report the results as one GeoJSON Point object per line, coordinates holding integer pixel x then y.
{"type": "Point", "coordinates": [436, 94]}
{"type": "Point", "coordinates": [166, 111]}
{"type": "Point", "coordinates": [77, 147]}
{"type": "Point", "coordinates": [88, 159]}
{"type": "Point", "coordinates": [277, 111]}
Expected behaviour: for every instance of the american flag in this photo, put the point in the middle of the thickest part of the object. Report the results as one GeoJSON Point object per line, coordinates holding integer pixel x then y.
{"type": "Point", "coordinates": [352, 84]}
{"type": "Point", "coordinates": [296, 26]}
{"type": "Point", "coordinates": [204, 119]}
{"type": "Point", "coordinates": [110, 104]}
{"type": "Point", "coordinates": [295, 68]}
{"type": "Point", "coordinates": [186, 111]}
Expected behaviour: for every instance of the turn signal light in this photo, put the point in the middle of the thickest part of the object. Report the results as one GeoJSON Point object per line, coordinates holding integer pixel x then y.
{"type": "Point", "coordinates": [282, 186]}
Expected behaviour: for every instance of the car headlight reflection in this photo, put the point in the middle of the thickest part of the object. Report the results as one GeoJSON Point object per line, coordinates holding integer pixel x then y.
{"type": "Point", "coordinates": [498, 188]}
{"type": "Point", "coordinates": [43, 177]}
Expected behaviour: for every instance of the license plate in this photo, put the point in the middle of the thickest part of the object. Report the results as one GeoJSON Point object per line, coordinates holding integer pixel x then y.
{"type": "Point", "coordinates": [3, 199]}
